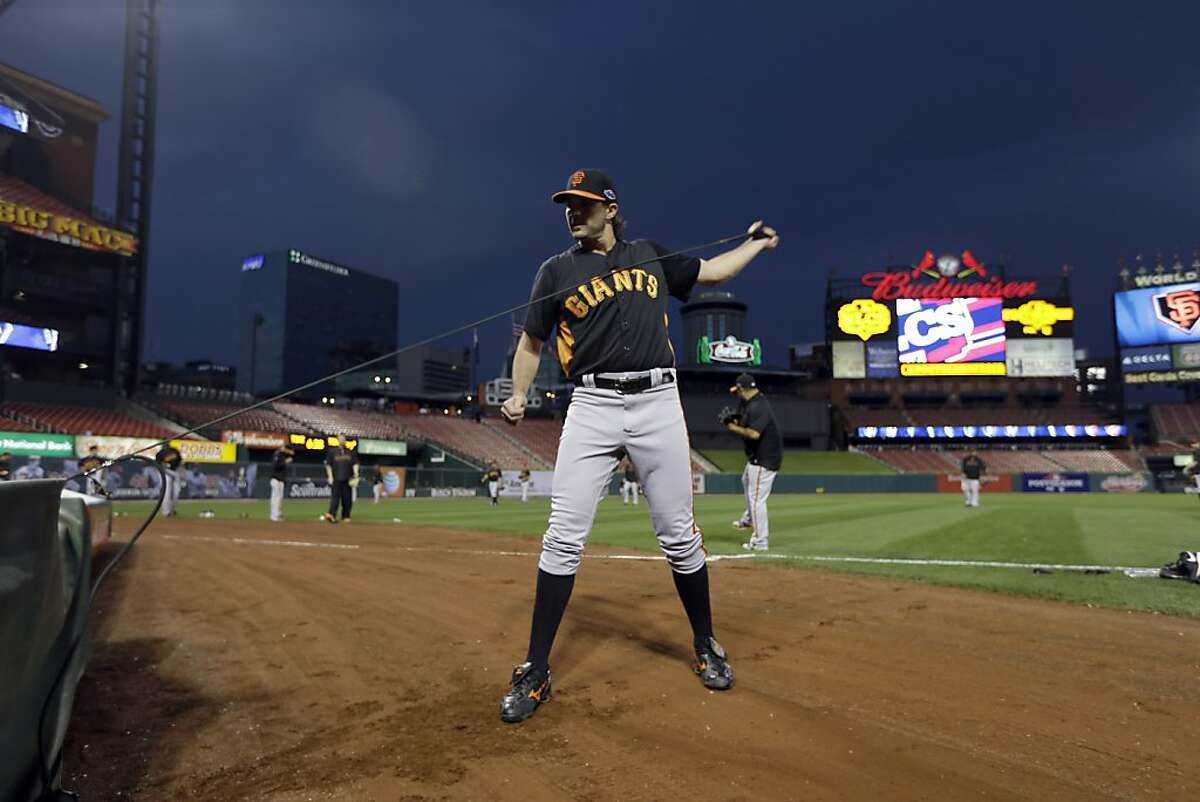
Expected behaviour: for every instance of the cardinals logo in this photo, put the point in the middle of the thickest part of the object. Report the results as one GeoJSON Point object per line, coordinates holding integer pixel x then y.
{"type": "Point", "coordinates": [949, 266]}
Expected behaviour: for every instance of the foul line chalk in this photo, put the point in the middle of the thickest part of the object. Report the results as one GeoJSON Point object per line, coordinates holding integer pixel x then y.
{"type": "Point", "coordinates": [303, 543]}
{"type": "Point", "coordinates": [711, 558]}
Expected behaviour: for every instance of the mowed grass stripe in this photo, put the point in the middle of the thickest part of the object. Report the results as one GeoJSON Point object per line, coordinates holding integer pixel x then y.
{"type": "Point", "coordinates": [1139, 530]}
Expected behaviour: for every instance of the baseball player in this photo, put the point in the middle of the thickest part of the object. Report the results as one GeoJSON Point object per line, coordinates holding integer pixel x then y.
{"type": "Point", "coordinates": [377, 484]}
{"type": "Point", "coordinates": [972, 471]}
{"type": "Point", "coordinates": [6, 466]}
{"type": "Point", "coordinates": [492, 479]}
{"type": "Point", "coordinates": [279, 465]}
{"type": "Point", "coordinates": [612, 341]}
{"type": "Point", "coordinates": [629, 485]}
{"type": "Point", "coordinates": [526, 479]}
{"type": "Point", "coordinates": [755, 423]}
{"type": "Point", "coordinates": [170, 459]}
{"type": "Point", "coordinates": [341, 471]}
{"type": "Point", "coordinates": [92, 462]}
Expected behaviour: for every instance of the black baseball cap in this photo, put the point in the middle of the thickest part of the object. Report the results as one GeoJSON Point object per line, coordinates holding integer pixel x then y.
{"type": "Point", "coordinates": [588, 183]}
{"type": "Point", "coordinates": [744, 381]}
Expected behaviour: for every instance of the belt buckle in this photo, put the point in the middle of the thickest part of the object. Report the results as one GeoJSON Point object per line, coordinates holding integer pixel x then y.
{"type": "Point", "coordinates": [624, 386]}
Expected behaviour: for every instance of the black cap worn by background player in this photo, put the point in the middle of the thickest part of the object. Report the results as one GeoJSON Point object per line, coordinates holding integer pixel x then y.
{"type": "Point", "coordinates": [744, 381]}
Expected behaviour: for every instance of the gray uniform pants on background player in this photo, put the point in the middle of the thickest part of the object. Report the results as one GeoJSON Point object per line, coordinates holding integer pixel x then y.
{"type": "Point", "coordinates": [757, 482]}
{"type": "Point", "coordinates": [629, 492]}
{"type": "Point", "coordinates": [970, 489]}
{"type": "Point", "coordinates": [277, 488]}
{"type": "Point", "coordinates": [649, 427]}
{"type": "Point", "coordinates": [172, 494]}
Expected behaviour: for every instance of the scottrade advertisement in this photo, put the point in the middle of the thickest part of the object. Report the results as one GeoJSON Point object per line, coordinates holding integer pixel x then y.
{"type": "Point", "coordinates": [951, 337]}
{"type": "Point", "coordinates": [1158, 315]}
{"type": "Point", "coordinates": [1054, 483]}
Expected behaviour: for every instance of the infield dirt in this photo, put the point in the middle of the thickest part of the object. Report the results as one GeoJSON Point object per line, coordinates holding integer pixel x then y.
{"type": "Point", "coordinates": [229, 668]}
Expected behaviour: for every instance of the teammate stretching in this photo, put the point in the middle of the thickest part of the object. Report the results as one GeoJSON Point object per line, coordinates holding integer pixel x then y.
{"type": "Point", "coordinates": [611, 326]}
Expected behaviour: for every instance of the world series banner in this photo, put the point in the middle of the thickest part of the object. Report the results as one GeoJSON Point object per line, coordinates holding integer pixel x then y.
{"type": "Point", "coordinates": [1055, 483]}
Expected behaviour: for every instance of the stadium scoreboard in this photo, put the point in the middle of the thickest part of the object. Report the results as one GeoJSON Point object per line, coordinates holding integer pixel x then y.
{"type": "Point", "coordinates": [951, 315]}
{"type": "Point", "coordinates": [1158, 329]}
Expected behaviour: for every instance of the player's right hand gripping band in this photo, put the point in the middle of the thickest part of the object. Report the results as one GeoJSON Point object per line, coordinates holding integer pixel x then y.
{"type": "Point", "coordinates": [726, 415]}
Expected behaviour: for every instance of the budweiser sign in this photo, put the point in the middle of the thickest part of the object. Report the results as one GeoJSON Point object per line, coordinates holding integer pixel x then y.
{"type": "Point", "coordinates": [961, 276]}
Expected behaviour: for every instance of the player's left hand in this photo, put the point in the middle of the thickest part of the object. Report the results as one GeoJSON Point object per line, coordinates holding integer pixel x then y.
{"type": "Point", "coordinates": [772, 239]}
{"type": "Point", "coordinates": [513, 409]}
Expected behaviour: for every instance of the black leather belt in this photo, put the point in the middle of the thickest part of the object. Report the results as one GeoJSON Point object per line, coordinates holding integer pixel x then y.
{"type": "Point", "coordinates": [626, 386]}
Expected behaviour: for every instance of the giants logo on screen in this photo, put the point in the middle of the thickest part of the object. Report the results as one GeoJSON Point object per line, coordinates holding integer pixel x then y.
{"type": "Point", "coordinates": [1180, 309]}
{"type": "Point", "coordinates": [950, 330]}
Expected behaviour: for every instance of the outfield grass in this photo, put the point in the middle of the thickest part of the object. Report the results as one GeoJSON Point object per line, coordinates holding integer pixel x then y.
{"type": "Point", "coordinates": [835, 462]}
{"type": "Point", "coordinates": [1140, 530]}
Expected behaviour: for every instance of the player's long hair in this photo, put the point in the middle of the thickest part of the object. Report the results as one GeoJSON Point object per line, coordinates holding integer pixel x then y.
{"type": "Point", "coordinates": [618, 224]}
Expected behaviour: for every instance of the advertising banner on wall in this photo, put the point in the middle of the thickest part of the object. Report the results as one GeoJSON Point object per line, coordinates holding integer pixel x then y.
{"type": "Point", "coordinates": [990, 483]}
{"type": "Point", "coordinates": [267, 440]}
{"type": "Point", "coordinates": [1055, 483]}
{"type": "Point", "coordinates": [390, 448]}
{"type": "Point", "coordinates": [510, 484]}
{"type": "Point", "coordinates": [1125, 483]}
{"type": "Point", "coordinates": [39, 443]}
{"type": "Point", "coordinates": [191, 450]}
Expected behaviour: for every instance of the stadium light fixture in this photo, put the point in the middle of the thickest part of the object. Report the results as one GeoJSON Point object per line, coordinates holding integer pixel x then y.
{"type": "Point", "coordinates": [83, 366]}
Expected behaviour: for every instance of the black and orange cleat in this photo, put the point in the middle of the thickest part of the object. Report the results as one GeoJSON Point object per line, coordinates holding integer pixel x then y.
{"type": "Point", "coordinates": [712, 666]}
{"type": "Point", "coordinates": [529, 689]}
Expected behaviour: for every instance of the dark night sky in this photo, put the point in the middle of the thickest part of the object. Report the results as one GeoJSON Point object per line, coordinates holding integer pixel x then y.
{"type": "Point", "coordinates": [420, 141]}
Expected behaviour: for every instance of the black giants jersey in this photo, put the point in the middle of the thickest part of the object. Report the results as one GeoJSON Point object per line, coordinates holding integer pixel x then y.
{"type": "Point", "coordinates": [767, 450]}
{"type": "Point", "coordinates": [973, 467]}
{"type": "Point", "coordinates": [609, 319]}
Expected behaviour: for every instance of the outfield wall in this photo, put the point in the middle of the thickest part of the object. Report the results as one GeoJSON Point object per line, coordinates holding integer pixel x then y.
{"type": "Point", "coordinates": [248, 480]}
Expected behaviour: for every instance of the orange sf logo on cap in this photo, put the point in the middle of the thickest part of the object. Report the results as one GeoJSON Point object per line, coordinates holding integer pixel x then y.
{"type": "Point", "coordinates": [576, 178]}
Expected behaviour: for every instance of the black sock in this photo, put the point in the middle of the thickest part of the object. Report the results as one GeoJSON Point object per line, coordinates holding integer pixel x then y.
{"type": "Point", "coordinates": [693, 592]}
{"type": "Point", "coordinates": [553, 593]}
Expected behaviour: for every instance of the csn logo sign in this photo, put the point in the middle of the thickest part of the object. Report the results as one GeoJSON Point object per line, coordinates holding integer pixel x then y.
{"type": "Point", "coordinates": [950, 330]}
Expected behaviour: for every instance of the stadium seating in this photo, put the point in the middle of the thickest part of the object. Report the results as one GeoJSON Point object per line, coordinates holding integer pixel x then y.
{"type": "Point", "coordinates": [10, 424]}
{"type": "Point", "coordinates": [83, 420]}
{"type": "Point", "coordinates": [917, 460]}
{"type": "Point", "coordinates": [476, 441]}
{"type": "Point", "coordinates": [334, 420]}
{"type": "Point", "coordinates": [1002, 460]}
{"type": "Point", "coordinates": [538, 435]}
{"type": "Point", "coordinates": [1096, 461]}
{"type": "Point", "coordinates": [1176, 421]}
{"type": "Point", "coordinates": [195, 413]}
